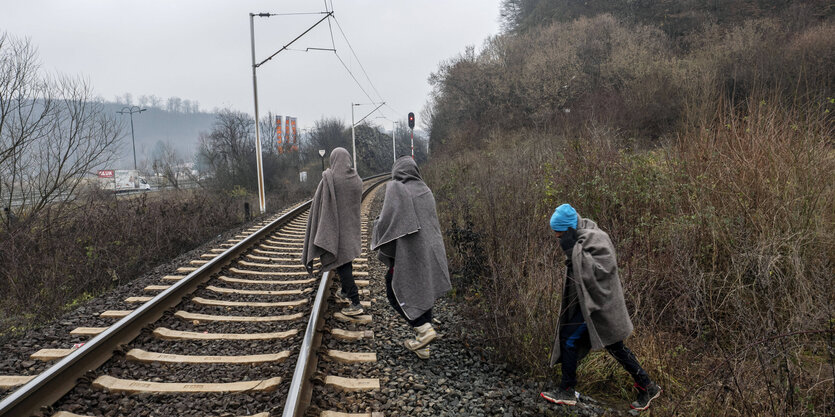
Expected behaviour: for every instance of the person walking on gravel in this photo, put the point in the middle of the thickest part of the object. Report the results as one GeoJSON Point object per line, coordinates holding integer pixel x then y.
{"type": "Point", "coordinates": [408, 239]}
{"type": "Point", "coordinates": [333, 226]}
{"type": "Point", "coordinates": [593, 311]}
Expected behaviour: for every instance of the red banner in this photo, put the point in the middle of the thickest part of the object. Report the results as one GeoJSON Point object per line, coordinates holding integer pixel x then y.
{"type": "Point", "coordinates": [278, 130]}
{"type": "Point", "coordinates": [106, 173]}
{"type": "Point", "coordinates": [294, 135]}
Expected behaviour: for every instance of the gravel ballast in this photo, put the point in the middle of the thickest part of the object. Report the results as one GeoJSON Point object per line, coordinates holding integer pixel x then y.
{"type": "Point", "coordinates": [455, 381]}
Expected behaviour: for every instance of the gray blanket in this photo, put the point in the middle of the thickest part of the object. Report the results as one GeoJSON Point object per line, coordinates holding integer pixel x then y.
{"type": "Point", "coordinates": [598, 289]}
{"type": "Point", "coordinates": [333, 227]}
{"type": "Point", "coordinates": [407, 234]}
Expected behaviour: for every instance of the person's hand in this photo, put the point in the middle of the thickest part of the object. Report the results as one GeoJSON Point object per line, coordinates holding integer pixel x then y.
{"type": "Point", "coordinates": [568, 240]}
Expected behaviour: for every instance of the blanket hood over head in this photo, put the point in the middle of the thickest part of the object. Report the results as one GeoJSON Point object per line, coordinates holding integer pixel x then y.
{"type": "Point", "coordinates": [333, 226]}
{"type": "Point", "coordinates": [407, 235]}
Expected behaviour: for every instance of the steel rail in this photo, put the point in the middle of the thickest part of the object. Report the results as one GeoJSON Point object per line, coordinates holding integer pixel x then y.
{"type": "Point", "coordinates": [51, 384]}
{"type": "Point", "coordinates": [298, 397]}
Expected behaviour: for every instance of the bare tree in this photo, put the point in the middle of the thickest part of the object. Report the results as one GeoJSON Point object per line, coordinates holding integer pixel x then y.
{"type": "Point", "coordinates": [168, 163]}
{"type": "Point", "coordinates": [52, 132]}
{"type": "Point", "coordinates": [174, 104]}
{"type": "Point", "coordinates": [227, 153]}
{"type": "Point", "coordinates": [328, 134]}
{"type": "Point", "coordinates": [155, 101]}
{"type": "Point", "coordinates": [25, 100]}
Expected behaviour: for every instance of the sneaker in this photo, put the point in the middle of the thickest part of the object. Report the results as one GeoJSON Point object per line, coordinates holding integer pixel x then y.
{"type": "Point", "coordinates": [560, 396]}
{"type": "Point", "coordinates": [341, 297]}
{"type": "Point", "coordinates": [423, 352]}
{"type": "Point", "coordinates": [646, 395]}
{"type": "Point", "coordinates": [353, 310]}
{"type": "Point", "coordinates": [425, 334]}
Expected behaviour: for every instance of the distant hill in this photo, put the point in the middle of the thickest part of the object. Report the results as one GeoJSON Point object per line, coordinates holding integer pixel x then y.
{"type": "Point", "coordinates": [156, 125]}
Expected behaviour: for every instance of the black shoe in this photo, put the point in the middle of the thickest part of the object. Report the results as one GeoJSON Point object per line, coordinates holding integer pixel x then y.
{"type": "Point", "coordinates": [341, 297]}
{"type": "Point", "coordinates": [646, 395]}
{"type": "Point", "coordinates": [560, 396]}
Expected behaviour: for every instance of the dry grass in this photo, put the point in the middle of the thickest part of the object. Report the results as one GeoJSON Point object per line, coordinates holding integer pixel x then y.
{"type": "Point", "coordinates": [50, 263]}
{"type": "Point", "coordinates": [725, 244]}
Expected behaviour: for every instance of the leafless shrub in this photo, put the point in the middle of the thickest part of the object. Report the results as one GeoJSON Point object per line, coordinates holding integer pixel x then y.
{"type": "Point", "coordinates": [724, 242]}
{"type": "Point", "coordinates": [51, 263]}
{"type": "Point", "coordinates": [168, 163]}
{"type": "Point", "coordinates": [52, 132]}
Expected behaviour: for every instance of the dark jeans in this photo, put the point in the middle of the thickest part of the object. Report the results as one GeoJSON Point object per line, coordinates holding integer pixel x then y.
{"type": "Point", "coordinates": [346, 278]}
{"type": "Point", "coordinates": [576, 333]}
{"type": "Point", "coordinates": [420, 321]}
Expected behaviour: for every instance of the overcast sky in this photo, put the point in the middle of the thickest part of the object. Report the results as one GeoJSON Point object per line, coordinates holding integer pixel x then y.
{"type": "Point", "coordinates": [200, 50]}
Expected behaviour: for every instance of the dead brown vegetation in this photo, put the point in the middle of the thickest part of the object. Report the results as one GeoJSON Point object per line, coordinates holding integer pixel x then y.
{"type": "Point", "coordinates": [50, 263]}
{"type": "Point", "coordinates": [707, 155]}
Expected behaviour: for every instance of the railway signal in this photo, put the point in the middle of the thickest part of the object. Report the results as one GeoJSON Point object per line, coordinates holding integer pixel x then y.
{"type": "Point", "coordinates": [412, 128]}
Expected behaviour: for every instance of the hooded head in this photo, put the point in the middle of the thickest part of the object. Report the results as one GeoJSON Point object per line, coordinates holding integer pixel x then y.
{"type": "Point", "coordinates": [341, 161]}
{"type": "Point", "coordinates": [564, 217]}
{"type": "Point", "coordinates": [405, 169]}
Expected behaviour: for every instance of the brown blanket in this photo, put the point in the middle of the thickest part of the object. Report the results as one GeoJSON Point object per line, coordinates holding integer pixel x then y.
{"type": "Point", "coordinates": [333, 227]}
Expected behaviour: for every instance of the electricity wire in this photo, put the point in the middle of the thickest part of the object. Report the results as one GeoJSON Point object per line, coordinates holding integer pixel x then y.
{"type": "Point", "coordinates": [338, 26]}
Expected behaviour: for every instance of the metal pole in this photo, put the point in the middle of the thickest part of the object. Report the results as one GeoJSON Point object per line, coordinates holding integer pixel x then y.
{"type": "Point", "coordinates": [393, 149]}
{"type": "Point", "coordinates": [133, 139]}
{"type": "Point", "coordinates": [353, 137]}
{"type": "Point", "coordinates": [413, 143]}
{"type": "Point", "coordinates": [261, 198]}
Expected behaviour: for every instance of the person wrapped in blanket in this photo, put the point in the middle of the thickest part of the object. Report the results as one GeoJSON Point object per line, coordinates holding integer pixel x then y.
{"type": "Point", "coordinates": [407, 237]}
{"type": "Point", "coordinates": [593, 312]}
{"type": "Point", "coordinates": [333, 227]}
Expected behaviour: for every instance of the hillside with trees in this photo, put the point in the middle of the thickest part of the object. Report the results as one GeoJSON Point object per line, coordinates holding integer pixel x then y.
{"type": "Point", "coordinates": [699, 136]}
{"type": "Point", "coordinates": [172, 126]}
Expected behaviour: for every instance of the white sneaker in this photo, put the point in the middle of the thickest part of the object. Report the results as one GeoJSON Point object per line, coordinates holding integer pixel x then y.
{"type": "Point", "coordinates": [423, 352]}
{"type": "Point", "coordinates": [425, 334]}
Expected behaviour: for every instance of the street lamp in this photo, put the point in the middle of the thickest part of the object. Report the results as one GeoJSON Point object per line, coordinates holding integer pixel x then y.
{"type": "Point", "coordinates": [131, 110]}
{"type": "Point", "coordinates": [322, 154]}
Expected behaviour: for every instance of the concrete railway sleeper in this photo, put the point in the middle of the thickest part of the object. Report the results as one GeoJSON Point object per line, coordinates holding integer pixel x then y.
{"type": "Point", "coordinates": [343, 363]}
{"type": "Point", "coordinates": [222, 336]}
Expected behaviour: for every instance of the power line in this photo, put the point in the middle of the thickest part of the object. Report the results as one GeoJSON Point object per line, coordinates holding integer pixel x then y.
{"type": "Point", "coordinates": [362, 67]}
{"type": "Point", "coordinates": [356, 57]}
{"type": "Point", "coordinates": [352, 76]}
{"type": "Point", "coordinates": [330, 27]}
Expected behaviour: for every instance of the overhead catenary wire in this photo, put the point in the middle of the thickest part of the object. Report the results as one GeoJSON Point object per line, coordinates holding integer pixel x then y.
{"type": "Point", "coordinates": [338, 26]}
{"type": "Point", "coordinates": [356, 57]}
{"type": "Point", "coordinates": [330, 27]}
{"type": "Point", "coordinates": [287, 14]}
{"type": "Point", "coordinates": [329, 13]}
{"type": "Point", "coordinates": [354, 77]}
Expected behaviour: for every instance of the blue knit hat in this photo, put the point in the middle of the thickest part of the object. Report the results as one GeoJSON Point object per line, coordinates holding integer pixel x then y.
{"type": "Point", "coordinates": [564, 217]}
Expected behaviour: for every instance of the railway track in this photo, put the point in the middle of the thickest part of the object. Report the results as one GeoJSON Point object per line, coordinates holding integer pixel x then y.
{"type": "Point", "coordinates": [238, 329]}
